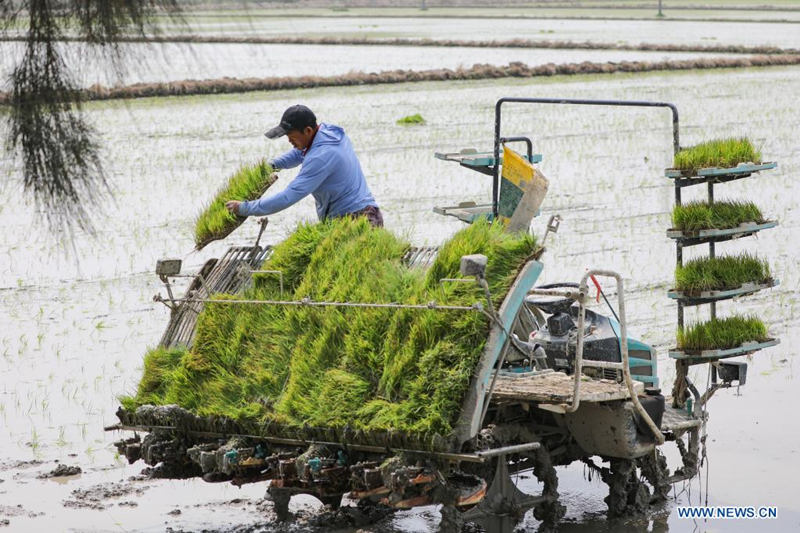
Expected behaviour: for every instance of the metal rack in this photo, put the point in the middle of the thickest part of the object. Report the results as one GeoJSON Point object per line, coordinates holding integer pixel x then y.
{"type": "Point", "coordinates": [686, 358]}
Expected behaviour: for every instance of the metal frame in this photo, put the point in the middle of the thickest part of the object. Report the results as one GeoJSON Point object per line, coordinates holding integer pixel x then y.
{"type": "Point", "coordinates": [565, 101]}
{"type": "Point", "coordinates": [581, 296]}
{"type": "Point", "coordinates": [472, 408]}
{"type": "Point", "coordinates": [480, 456]}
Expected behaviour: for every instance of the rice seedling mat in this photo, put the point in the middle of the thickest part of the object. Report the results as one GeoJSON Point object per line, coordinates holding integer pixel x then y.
{"type": "Point", "coordinates": [691, 177]}
{"type": "Point", "coordinates": [558, 388]}
{"type": "Point", "coordinates": [247, 183]}
{"type": "Point", "coordinates": [701, 297]}
{"type": "Point", "coordinates": [350, 374]}
{"type": "Point", "coordinates": [745, 229]}
{"type": "Point", "coordinates": [704, 356]}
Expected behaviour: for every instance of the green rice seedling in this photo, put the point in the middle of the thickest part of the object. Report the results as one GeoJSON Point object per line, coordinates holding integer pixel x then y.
{"type": "Point", "coordinates": [721, 273]}
{"type": "Point", "coordinates": [216, 222]}
{"type": "Point", "coordinates": [722, 153]}
{"type": "Point", "coordinates": [696, 216]}
{"type": "Point", "coordinates": [158, 363]}
{"type": "Point", "coordinates": [722, 333]}
{"type": "Point", "coordinates": [411, 119]}
{"type": "Point", "coordinates": [371, 369]}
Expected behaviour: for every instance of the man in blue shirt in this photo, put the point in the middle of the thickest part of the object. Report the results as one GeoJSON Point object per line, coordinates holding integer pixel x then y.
{"type": "Point", "coordinates": [331, 171]}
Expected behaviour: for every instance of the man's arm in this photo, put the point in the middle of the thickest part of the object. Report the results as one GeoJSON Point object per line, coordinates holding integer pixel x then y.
{"type": "Point", "coordinates": [310, 177]}
{"type": "Point", "coordinates": [290, 159]}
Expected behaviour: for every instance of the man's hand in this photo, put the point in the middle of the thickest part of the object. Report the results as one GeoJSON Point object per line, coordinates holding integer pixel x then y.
{"type": "Point", "coordinates": [233, 207]}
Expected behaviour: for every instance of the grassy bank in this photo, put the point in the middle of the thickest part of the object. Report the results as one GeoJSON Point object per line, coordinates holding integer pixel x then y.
{"type": "Point", "coordinates": [476, 72]}
{"type": "Point", "coordinates": [370, 369]}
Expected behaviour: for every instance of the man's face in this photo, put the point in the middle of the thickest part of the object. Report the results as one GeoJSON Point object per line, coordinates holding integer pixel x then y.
{"type": "Point", "coordinates": [301, 139]}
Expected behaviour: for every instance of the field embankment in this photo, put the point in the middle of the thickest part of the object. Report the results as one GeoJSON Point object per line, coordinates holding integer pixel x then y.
{"type": "Point", "coordinates": [476, 72]}
{"type": "Point", "coordinates": [452, 43]}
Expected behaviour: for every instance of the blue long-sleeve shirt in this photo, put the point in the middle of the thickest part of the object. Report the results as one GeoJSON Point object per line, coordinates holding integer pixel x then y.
{"type": "Point", "coordinates": [331, 172]}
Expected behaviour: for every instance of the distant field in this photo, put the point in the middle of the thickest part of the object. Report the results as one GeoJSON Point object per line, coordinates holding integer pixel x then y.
{"type": "Point", "coordinates": [744, 10]}
{"type": "Point", "coordinates": [507, 4]}
{"type": "Point", "coordinates": [710, 13]}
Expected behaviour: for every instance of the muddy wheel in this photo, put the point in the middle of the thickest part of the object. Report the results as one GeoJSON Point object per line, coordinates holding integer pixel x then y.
{"type": "Point", "coordinates": [334, 501]}
{"type": "Point", "coordinates": [280, 501]}
{"type": "Point", "coordinates": [626, 494]}
{"type": "Point", "coordinates": [550, 511]}
{"type": "Point", "coordinates": [655, 471]}
{"type": "Point", "coordinates": [452, 520]}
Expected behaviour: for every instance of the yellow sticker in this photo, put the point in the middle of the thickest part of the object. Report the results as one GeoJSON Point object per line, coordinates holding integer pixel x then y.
{"type": "Point", "coordinates": [516, 168]}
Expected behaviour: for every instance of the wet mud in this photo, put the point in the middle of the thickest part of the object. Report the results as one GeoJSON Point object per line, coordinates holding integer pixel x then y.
{"type": "Point", "coordinates": [61, 470]}
{"type": "Point", "coordinates": [104, 495]}
{"type": "Point", "coordinates": [346, 518]}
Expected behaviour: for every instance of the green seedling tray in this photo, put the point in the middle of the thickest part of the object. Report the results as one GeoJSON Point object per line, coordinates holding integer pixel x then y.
{"type": "Point", "coordinates": [703, 175]}
{"type": "Point", "coordinates": [715, 296]}
{"type": "Point", "coordinates": [745, 229]}
{"type": "Point", "coordinates": [703, 356]}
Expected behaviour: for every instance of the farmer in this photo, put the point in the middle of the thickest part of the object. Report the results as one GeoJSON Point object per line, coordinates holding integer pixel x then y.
{"type": "Point", "coordinates": [330, 171]}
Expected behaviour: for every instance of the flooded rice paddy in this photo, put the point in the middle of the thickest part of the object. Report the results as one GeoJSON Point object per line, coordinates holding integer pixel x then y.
{"type": "Point", "coordinates": [694, 32]}
{"type": "Point", "coordinates": [74, 328]}
{"type": "Point", "coordinates": [150, 63]}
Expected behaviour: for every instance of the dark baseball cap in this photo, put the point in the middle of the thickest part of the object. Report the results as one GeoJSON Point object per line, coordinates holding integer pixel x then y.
{"type": "Point", "coordinates": [297, 117]}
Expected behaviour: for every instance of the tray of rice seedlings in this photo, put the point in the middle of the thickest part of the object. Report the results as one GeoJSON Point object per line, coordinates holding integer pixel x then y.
{"type": "Point", "coordinates": [357, 374]}
{"type": "Point", "coordinates": [725, 337]}
{"type": "Point", "coordinates": [216, 222]}
{"type": "Point", "coordinates": [698, 222]}
{"type": "Point", "coordinates": [411, 120]}
{"type": "Point", "coordinates": [718, 278]}
{"type": "Point", "coordinates": [730, 158]}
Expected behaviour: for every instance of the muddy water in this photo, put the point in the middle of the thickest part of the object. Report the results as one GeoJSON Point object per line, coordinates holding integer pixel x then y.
{"type": "Point", "coordinates": [149, 63]}
{"type": "Point", "coordinates": [628, 31]}
{"type": "Point", "coordinates": [74, 328]}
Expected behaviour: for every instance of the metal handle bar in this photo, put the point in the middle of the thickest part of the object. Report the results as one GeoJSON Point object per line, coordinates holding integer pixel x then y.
{"type": "Point", "coordinates": [623, 365]}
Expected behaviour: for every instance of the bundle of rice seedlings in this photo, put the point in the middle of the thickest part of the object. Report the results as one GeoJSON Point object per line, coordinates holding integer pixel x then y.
{"type": "Point", "coordinates": [696, 216]}
{"type": "Point", "coordinates": [158, 363]}
{"type": "Point", "coordinates": [722, 153]}
{"type": "Point", "coordinates": [722, 333]}
{"type": "Point", "coordinates": [721, 273]}
{"type": "Point", "coordinates": [370, 369]}
{"type": "Point", "coordinates": [216, 222]}
{"type": "Point", "coordinates": [411, 119]}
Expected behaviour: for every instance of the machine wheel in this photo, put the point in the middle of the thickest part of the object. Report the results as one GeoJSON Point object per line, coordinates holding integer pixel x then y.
{"type": "Point", "coordinates": [626, 494]}
{"type": "Point", "coordinates": [655, 471]}
{"type": "Point", "coordinates": [452, 520]}
{"type": "Point", "coordinates": [550, 511]}
{"type": "Point", "coordinates": [280, 500]}
{"type": "Point", "coordinates": [333, 501]}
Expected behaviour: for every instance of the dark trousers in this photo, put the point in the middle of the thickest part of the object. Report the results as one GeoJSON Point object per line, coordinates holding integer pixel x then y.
{"type": "Point", "coordinates": [373, 214]}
